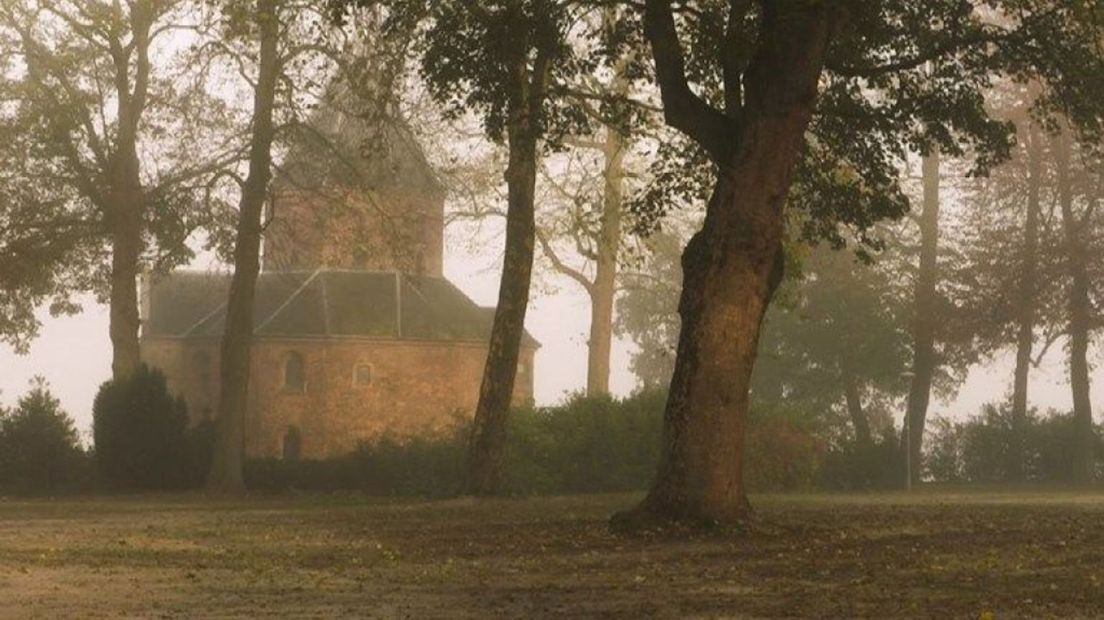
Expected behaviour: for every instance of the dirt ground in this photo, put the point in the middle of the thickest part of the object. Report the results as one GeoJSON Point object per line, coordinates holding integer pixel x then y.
{"type": "Point", "coordinates": [928, 555]}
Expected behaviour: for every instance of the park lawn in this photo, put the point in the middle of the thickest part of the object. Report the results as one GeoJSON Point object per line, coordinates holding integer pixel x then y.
{"type": "Point", "coordinates": [930, 554]}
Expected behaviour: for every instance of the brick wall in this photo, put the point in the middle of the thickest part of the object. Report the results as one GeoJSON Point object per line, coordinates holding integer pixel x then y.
{"type": "Point", "coordinates": [384, 230]}
{"type": "Point", "coordinates": [191, 368]}
{"type": "Point", "coordinates": [416, 388]}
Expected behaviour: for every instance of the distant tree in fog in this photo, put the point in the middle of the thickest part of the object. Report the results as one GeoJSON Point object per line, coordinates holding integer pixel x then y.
{"type": "Point", "coordinates": [39, 448]}
{"type": "Point", "coordinates": [101, 130]}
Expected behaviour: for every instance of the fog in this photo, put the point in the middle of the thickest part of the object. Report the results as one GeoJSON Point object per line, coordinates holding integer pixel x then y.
{"type": "Point", "coordinates": [73, 353]}
{"type": "Point", "coordinates": [551, 308]}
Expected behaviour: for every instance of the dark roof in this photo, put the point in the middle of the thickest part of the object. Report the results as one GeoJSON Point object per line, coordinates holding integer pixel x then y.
{"type": "Point", "coordinates": [322, 303]}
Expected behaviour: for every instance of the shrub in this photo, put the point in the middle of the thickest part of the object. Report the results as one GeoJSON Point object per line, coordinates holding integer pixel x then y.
{"type": "Point", "coordinates": [987, 446]}
{"type": "Point", "coordinates": [430, 467]}
{"type": "Point", "coordinates": [980, 449]}
{"type": "Point", "coordinates": [781, 451]}
{"type": "Point", "coordinates": [140, 435]}
{"type": "Point", "coordinates": [39, 447]}
{"type": "Point", "coordinates": [943, 451]}
{"type": "Point", "coordinates": [585, 445]}
{"type": "Point", "coordinates": [199, 449]}
{"type": "Point", "coordinates": [1050, 441]}
{"type": "Point", "coordinates": [854, 467]}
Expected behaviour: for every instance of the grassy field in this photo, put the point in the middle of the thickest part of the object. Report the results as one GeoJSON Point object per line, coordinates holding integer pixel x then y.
{"type": "Point", "coordinates": [827, 556]}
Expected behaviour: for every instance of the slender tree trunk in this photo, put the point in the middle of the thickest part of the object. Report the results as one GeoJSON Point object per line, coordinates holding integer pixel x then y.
{"type": "Point", "coordinates": [126, 198]}
{"type": "Point", "coordinates": [853, 396]}
{"type": "Point", "coordinates": [1025, 328]}
{"type": "Point", "coordinates": [125, 224]}
{"type": "Point", "coordinates": [731, 269]}
{"type": "Point", "coordinates": [1080, 317]}
{"type": "Point", "coordinates": [925, 304]}
{"type": "Point", "coordinates": [604, 288]}
{"type": "Point", "coordinates": [226, 466]}
{"type": "Point", "coordinates": [485, 466]}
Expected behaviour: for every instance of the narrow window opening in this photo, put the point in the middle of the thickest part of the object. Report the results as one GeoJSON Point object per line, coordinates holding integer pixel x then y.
{"type": "Point", "coordinates": [294, 373]}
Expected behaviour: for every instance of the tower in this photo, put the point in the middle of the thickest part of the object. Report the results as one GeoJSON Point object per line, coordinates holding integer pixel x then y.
{"type": "Point", "coordinates": [355, 195]}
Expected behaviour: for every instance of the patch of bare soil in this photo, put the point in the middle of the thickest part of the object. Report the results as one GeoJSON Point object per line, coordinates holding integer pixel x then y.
{"type": "Point", "coordinates": [927, 556]}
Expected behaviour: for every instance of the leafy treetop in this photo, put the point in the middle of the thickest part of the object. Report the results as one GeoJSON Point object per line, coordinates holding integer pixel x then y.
{"type": "Point", "coordinates": [900, 76]}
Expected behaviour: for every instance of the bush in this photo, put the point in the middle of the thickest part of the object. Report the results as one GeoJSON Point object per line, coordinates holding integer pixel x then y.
{"type": "Point", "coordinates": [987, 446]}
{"type": "Point", "coordinates": [854, 467]}
{"type": "Point", "coordinates": [980, 449]}
{"type": "Point", "coordinates": [429, 467]}
{"type": "Point", "coordinates": [781, 451]}
{"type": "Point", "coordinates": [140, 434]}
{"type": "Point", "coordinates": [39, 447]}
{"type": "Point", "coordinates": [584, 445]}
{"type": "Point", "coordinates": [943, 451]}
{"type": "Point", "coordinates": [199, 449]}
{"type": "Point", "coordinates": [1050, 443]}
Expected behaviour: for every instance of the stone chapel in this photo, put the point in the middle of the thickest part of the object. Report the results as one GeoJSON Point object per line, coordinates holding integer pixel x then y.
{"type": "Point", "coordinates": [357, 333]}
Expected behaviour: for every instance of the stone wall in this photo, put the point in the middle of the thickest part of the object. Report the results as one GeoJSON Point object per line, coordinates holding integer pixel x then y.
{"type": "Point", "coordinates": [415, 389]}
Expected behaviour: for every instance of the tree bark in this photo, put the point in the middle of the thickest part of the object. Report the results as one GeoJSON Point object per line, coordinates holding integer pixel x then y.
{"type": "Point", "coordinates": [733, 265]}
{"type": "Point", "coordinates": [226, 466]}
{"type": "Point", "coordinates": [924, 322]}
{"type": "Point", "coordinates": [485, 456]}
{"type": "Point", "coordinates": [853, 397]}
{"type": "Point", "coordinates": [1025, 321]}
{"type": "Point", "coordinates": [1080, 317]}
{"type": "Point", "coordinates": [604, 287]}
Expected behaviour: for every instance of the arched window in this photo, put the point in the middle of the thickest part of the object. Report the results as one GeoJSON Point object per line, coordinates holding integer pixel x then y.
{"type": "Point", "coordinates": [293, 444]}
{"type": "Point", "coordinates": [362, 375]}
{"type": "Point", "coordinates": [201, 366]}
{"type": "Point", "coordinates": [295, 376]}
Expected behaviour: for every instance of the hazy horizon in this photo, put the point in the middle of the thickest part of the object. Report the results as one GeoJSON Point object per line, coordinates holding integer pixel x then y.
{"type": "Point", "coordinates": [74, 354]}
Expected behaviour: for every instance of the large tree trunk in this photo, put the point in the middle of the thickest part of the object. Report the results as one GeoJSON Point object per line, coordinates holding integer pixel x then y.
{"type": "Point", "coordinates": [925, 304]}
{"type": "Point", "coordinates": [604, 288]}
{"type": "Point", "coordinates": [729, 280]}
{"type": "Point", "coordinates": [731, 269]}
{"type": "Point", "coordinates": [226, 466]}
{"type": "Point", "coordinates": [853, 398]}
{"type": "Point", "coordinates": [1025, 320]}
{"type": "Point", "coordinates": [488, 442]}
{"type": "Point", "coordinates": [1080, 317]}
